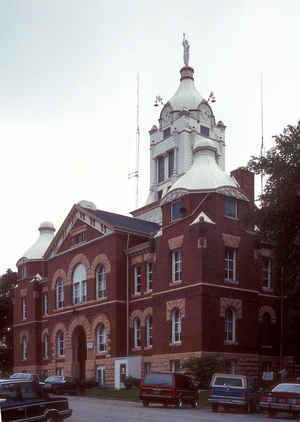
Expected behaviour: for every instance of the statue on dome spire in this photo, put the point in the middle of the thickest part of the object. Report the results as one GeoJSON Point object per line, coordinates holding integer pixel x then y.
{"type": "Point", "coordinates": [186, 50]}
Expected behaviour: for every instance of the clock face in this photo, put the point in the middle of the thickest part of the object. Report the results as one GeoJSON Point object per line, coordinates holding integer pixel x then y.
{"type": "Point", "coordinates": [205, 113]}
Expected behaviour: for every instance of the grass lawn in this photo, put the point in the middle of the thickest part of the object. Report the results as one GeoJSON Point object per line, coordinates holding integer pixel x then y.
{"type": "Point", "coordinates": [129, 395]}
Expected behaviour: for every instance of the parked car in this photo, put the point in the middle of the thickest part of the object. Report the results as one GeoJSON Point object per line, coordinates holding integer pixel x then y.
{"type": "Point", "coordinates": [26, 377]}
{"type": "Point", "coordinates": [27, 401]}
{"type": "Point", "coordinates": [285, 397]}
{"type": "Point", "coordinates": [231, 391]}
{"type": "Point", "coordinates": [168, 388]}
{"type": "Point", "coordinates": [57, 384]}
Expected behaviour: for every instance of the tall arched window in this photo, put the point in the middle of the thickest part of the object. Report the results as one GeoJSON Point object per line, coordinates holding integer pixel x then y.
{"type": "Point", "coordinates": [45, 342]}
{"type": "Point", "coordinates": [79, 285]}
{"type": "Point", "coordinates": [60, 343]}
{"type": "Point", "coordinates": [59, 293]}
{"type": "Point", "coordinates": [136, 332]}
{"type": "Point", "coordinates": [24, 348]}
{"type": "Point", "coordinates": [176, 326]}
{"type": "Point", "coordinates": [101, 338]}
{"type": "Point", "coordinates": [149, 331]}
{"type": "Point", "coordinates": [101, 282]}
{"type": "Point", "coordinates": [230, 326]}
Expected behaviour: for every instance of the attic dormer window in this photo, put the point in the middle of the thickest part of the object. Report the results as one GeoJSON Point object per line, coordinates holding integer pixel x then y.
{"type": "Point", "coordinates": [167, 132]}
{"type": "Point", "coordinates": [204, 131]}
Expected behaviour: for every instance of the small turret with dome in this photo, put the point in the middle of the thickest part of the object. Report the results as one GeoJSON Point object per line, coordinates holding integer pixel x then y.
{"type": "Point", "coordinates": [37, 250]}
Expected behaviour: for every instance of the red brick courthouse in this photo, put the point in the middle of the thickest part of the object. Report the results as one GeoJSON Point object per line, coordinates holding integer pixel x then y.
{"type": "Point", "coordinates": [108, 295]}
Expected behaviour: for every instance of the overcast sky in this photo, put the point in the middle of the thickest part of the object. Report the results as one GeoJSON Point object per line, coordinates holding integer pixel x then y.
{"type": "Point", "coordinates": [68, 72]}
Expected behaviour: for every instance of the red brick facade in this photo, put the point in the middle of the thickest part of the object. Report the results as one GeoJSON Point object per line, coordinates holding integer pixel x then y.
{"type": "Point", "coordinates": [202, 296]}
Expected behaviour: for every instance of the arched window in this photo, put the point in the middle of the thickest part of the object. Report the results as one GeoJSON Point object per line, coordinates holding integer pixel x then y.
{"type": "Point", "coordinates": [176, 326]}
{"type": "Point", "coordinates": [149, 331]}
{"type": "Point", "coordinates": [60, 344]}
{"type": "Point", "coordinates": [101, 282]}
{"type": "Point", "coordinates": [45, 343]}
{"type": "Point", "coordinates": [230, 326]}
{"type": "Point", "coordinates": [24, 348]}
{"type": "Point", "coordinates": [101, 338]}
{"type": "Point", "coordinates": [137, 332]}
{"type": "Point", "coordinates": [59, 293]}
{"type": "Point", "coordinates": [79, 285]}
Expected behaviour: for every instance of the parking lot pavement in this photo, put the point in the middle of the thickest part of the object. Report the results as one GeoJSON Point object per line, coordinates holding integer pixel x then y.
{"type": "Point", "coordinates": [87, 409]}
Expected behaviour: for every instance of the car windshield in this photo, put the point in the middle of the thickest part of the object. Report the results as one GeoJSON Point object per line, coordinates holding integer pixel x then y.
{"type": "Point", "coordinates": [232, 382]}
{"type": "Point", "coordinates": [287, 388]}
{"type": "Point", "coordinates": [161, 379]}
{"type": "Point", "coordinates": [21, 376]}
{"type": "Point", "coordinates": [54, 379]}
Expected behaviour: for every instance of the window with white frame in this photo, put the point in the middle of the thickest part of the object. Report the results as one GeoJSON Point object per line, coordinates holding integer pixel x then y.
{"type": "Point", "coordinates": [59, 293]}
{"type": "Point", "coordinates": [149, 331]}
{"type": "Point", "coordinates": [136, 333]}
{"type": "Point", "coordinates": [176, 326]}
{"type": "Point", "coordinates": [24, 348]}
{"type": "Point", "coordinates": [101, 282]}
{"type": "Point", "coordinates": [176, 266]}
{"type": "Point", "coordinates": [24, 308]}
{"type": "Point", "coordinates": [230, 326]}
{"type": "Point", "coordinates": [100, 375]}
{"type": "Point", "coordinates": [175, 365]}
{"type": "Point", "coordinates": [60, 344]}
{"type": "Point", "coordinates": [24, 270]}
{"type": "Point", "coordinates": [137, 279]}
{"type": "Point", "coordinates": [59, 372]}
{"type": "Point", "coordinates": [149, 276]}
{"type": "Point", "coordinates": [147, 368]}
{"type": "Point", "coordinates": [230, 264]}
{"type": "Point", "coordinates": [267, 272]}
{"type": "Point", "coordinates": [231, 207]}
{"type": "Point", "coordinates": [165, 165]}
{"type": "Point", "coordinates": [45, 304]}
{"type": "Point", "coordinates": [46, 343]}
{"type": "Point", "coordinates": [101, 338]}
{"type": "Point", "coordinates": [79, 285]}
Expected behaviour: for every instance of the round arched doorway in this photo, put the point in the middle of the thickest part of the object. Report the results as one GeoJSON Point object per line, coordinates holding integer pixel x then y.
{"type": "Point", "coordinates": [78, 353]}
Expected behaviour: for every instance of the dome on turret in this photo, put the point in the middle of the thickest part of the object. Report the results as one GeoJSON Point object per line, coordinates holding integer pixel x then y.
{"type": "Point", "coordinates": [187, 96]}
{"type": "Point", "coordinates": [37, 250]}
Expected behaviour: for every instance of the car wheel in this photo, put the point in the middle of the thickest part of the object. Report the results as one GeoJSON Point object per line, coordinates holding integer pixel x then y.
{"type": "Point", "coordinates": [214, 407]}
{"type": "Point", "coordinates": [179, 403]}
{"type": "Point", "coordinates": [195, 404]}
{"type": "Point", "coordinates": [145, 403]}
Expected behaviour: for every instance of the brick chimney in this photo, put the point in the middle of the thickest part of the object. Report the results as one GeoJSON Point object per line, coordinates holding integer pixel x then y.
{"type": "Point", "coordinates": [245, 179]}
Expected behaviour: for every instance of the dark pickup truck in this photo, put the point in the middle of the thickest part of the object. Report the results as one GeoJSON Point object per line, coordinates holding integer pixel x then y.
{"type": "Point", "coordinates": [27, 401]}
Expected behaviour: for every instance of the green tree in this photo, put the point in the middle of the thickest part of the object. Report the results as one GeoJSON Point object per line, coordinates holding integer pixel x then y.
{"type": "Point", "coordinates": [201, 369]}
{"type": "Point", "coordinates": [278, 217]}
{"type": "Point", "coordinates": [8, 282]}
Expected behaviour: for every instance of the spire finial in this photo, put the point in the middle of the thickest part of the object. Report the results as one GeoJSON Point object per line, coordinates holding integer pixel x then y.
{"type": "Point", "coordinates": [186, 50]}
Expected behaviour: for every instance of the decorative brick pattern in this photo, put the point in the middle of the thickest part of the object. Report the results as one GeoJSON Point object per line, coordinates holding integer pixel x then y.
{"type": "Point", "coordinates": [175, 242]}
{"type": "Point", "coordinates": [136, 313]}
{"type": "Point", "coordinates": [269, 310]}
{"type": "Point", "coordinates": [78, 259]}
{"type": "Point", "coordinates": [236, 304]}
{"type": "Point", "coordinates": [231, 241]}
{"type": "Point", "coordinates": [58, 274]}
{"type": "Point", "coordinates": [172, 304]}
{"type": "Point", "coordinates": [101, 259]}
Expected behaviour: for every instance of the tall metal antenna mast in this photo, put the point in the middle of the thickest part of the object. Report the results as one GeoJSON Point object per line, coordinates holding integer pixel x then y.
{"type": "Point", "coordinates": [137, 145]}
{"type": "Point", "coordinates": [262, 132]}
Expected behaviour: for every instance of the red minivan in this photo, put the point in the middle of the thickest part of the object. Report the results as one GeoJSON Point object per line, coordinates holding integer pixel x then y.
{"type": "Point", "coordinates": [168, 388]}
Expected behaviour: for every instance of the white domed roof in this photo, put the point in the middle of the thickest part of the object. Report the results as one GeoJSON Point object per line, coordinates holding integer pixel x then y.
{"type": "Point", "coordinates": [87, 204]}
{"type": "Point", "coordinates": [204, 174]}
{"type": "Point", "coordinates": [186, 96]}
{"type": "Point", "coordinates": [37, 250]}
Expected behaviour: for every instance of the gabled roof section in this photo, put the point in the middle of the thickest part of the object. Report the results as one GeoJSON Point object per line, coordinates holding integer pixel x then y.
{"type": "Point", "coordinates": [122, 222]}
{"type": "Point", "coordinates": [102, 221]}
{"type": "Point", "coordinates": [202, 217]}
